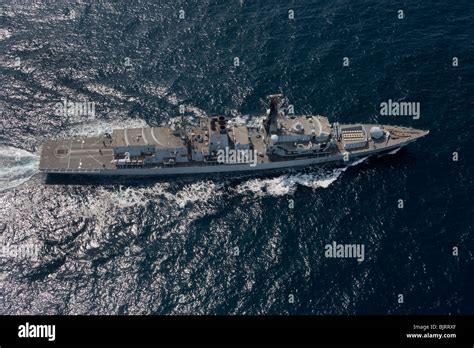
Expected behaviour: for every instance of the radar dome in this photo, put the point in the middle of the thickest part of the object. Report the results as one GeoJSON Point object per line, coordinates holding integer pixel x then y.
{"type": "Point", "coordinates": [274, 138]}
{"type": "Point", "coordinates": [376, 132]}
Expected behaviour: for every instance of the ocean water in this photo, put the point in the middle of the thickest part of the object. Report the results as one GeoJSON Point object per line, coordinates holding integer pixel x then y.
{"type": "Point", "coordinates": [238, 245]}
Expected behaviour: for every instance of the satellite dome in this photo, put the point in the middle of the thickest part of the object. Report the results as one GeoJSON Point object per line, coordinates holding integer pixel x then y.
{"type": "Point", "coordinates": [274, 138]}
{"type": "Point", "coordinates": [376, 132]}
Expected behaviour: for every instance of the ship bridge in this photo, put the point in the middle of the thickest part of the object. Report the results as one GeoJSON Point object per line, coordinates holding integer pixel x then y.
{"type": "Point", "coordinates": [304, 128]}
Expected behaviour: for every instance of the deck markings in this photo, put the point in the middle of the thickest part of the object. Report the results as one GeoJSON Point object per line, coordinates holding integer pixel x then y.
{"type": "Point", "coordinates": [154, 138]}
{"type": "Point", "coordinates": [69, 157]}
{"type": "Point", "coordinates": [96, 142]}
{"type": "Point", "coordinates": [144, 137]}
{"type": "Point", "coordinates": [125, 136]}
{"type": "Point", "coordinates": [95, 159]}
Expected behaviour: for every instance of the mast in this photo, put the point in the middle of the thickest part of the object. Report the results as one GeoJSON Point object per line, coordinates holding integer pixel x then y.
{"type": "Point", "coordinates": [271, 121]}
{"type": "Point", "coordinates": [183, 134]}
{"type": "Point", "coordinates": [183, 126]}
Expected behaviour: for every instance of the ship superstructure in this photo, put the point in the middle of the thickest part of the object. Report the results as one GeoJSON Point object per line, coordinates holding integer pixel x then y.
{"type": "Point", "coordinates": [217, 145]}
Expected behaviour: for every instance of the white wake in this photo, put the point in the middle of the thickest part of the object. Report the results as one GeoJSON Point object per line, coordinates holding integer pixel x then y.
{"type": "Point", "coordinates": [288, 183]}
{"type": "Point", "coordinates": [393, 152]}
{"type": "Point", "coordinates": [16, 166]}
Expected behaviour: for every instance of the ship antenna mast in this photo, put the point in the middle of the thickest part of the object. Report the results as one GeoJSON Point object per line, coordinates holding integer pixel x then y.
{"type": "Point", "coordinates": [182, 110]}
{"type": "Point", "coordinates": [271, 121]}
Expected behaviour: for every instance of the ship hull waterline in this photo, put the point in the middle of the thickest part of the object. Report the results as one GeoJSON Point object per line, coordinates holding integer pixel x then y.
{"type": "Point", "coordinates": [228, 168]}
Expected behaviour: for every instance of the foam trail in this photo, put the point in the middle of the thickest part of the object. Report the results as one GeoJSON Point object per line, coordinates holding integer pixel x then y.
{"type": "Point", "coordinates": [288, 183]}
{"type": "Point", "coordinates": [359, 161]}
{"type": "Point", "coordinates": [16, 166]}
{"type": "Point", "coordinates": [393, 152]}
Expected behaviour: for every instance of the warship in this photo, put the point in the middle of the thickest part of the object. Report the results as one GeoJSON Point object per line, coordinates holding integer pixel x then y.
{"type": "Point", "coordinates": [217, 145]}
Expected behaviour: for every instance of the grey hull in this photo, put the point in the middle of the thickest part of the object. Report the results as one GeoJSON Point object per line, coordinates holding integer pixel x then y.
{"type": "Point", "coordinates": [228, 168]}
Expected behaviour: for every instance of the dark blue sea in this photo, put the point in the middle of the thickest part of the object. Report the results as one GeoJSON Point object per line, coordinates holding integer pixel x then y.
{"type": "Point", "coordinates": [244, 244]}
